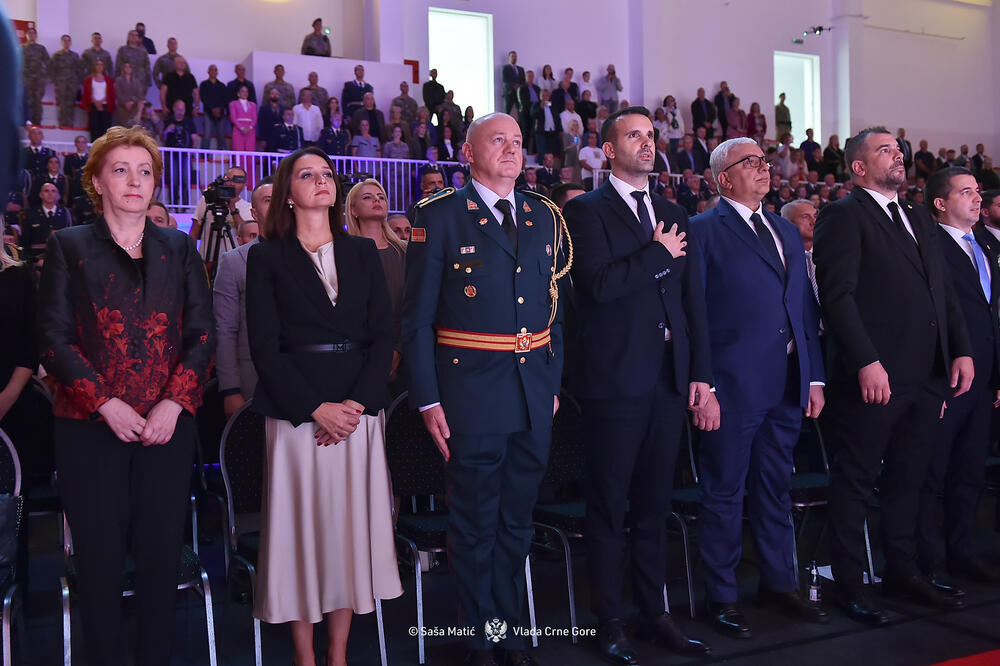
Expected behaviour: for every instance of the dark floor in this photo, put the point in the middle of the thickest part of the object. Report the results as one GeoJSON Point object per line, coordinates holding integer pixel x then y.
{"type": "Point", "coordinates": [915, 637]}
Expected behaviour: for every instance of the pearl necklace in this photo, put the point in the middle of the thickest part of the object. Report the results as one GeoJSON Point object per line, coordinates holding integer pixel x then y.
{"type": "Point", "coordinates": [129, 248]}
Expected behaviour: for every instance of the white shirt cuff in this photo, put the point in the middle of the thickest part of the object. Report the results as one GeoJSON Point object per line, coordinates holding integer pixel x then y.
{"type": "Point", "coordinates": [426, 407]}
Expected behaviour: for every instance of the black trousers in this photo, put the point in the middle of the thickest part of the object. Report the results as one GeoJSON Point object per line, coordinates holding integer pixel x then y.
{"type": "Point", "coordinates": [955, 480]}
{"type": "Point", "coordinates": [632, 446]}
{"type": "Point", "coordinates": [100, 121]}
{"type": "Point", "coordinates": [112, 490]}
{"type": "Point", "coordinates": [895, 439]}
{"type": "Point", "coordinates": [492, 486]}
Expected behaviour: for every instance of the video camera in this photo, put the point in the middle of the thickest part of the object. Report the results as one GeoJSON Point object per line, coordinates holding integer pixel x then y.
{"type": "Point", "coordinates": [218, 192]}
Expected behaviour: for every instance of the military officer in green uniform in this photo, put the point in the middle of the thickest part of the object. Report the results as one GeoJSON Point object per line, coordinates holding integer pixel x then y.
{"type": "Point", "coordinates": [36, 75]}
{"type": "Point", "coordinates": [135, 53]}
{"type": "Point", "coordinates": [93, 54]}
{"type": "Point", "coordinates": [483, 330]}
{"type": "Point", "coordinates": [67, 77]}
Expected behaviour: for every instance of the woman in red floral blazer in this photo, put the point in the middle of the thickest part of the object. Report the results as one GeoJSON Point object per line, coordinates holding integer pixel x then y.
{"type": "Point", "coordinates": [125, 319]}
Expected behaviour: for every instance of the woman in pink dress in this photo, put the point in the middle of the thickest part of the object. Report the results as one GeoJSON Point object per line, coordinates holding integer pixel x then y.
{"type": "Point", "coordinates": [243, 115]}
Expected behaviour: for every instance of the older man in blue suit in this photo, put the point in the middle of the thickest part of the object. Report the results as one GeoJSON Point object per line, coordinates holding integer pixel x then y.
{"type": "Point", "coordinates": [767, 366]}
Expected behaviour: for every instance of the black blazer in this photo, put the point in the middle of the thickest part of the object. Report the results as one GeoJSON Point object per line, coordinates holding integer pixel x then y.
{"type": "Point", "coordinates": [701, 116]}
{"type": "Point", "coordinates": [524, 97]}
{"type": "Point", "coordinates": [287, 307]}
{"type": "Point", "coordinates": [538, 114]}
{"type": "Point", "coordinates": [882, 298]}
{"type": "Point", "coordinates": [627, 290]}
{"type": "Point", "coordinates": [982, 318]}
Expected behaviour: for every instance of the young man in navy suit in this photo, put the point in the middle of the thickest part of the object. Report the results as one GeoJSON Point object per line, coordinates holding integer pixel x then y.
{"type": "Point", "coordinates": [767, 367]}
{"type": "Point", "coordinates": [642, 335]}
{"type": "Point", "coordinates": [955, 479]}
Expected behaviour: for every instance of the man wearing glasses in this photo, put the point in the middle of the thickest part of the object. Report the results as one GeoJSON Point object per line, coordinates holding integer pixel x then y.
{"type": "Point", "coordinates": [239, 211]}
{"type": "Point", "coordinates": [767, 367]}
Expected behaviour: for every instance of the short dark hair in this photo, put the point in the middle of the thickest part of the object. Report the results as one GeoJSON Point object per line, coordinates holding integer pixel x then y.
{"type": "Point", "coordinates": [857, 142]}
{"type": "Point", "coordinates": [988, 197]}
{"type": "Point", "coordinates": [560, 193]}
{"type": "Point", "coordinates": [627, 111]}
{"type": "Point", "coordinates": [939, 186]}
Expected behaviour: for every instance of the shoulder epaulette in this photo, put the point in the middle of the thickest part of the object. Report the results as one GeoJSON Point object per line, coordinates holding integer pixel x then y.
{"type": "Point", "coordinates": [539, 195]}
{"type": "Point", "coordinates": [434, 197]}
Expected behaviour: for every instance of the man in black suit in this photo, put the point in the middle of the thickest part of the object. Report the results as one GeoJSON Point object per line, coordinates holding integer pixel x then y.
{"type": "Point", "coordinates": [905, 147]}
{"type": "Point", "coordinates": [900, 339]}
{"type": "Point", "coordinates": [643, 363]}
{"type": "Point", "coordinates": [723, 102]}
{"type": "Point", "coordinates": [270, 114]}
{"type": "Point", "coordinates": [700, 147]}
{"type": "Point", "coordinates": [547, 125]}
{"type": "Point", "coordinates": [703, 113]}
{"type": "Point", "coordinates": [433, 92]}
{"type": "Point", "coordinates": [513, 79]}
{"type": "Point", "coordinates": [286, 136]}
{"type": "Point", "coordinates": [528, 95]}
{"type": "Point", "coordinates": [35, 156]}
{"type": "Point", "coordinates": [687, 158]}
{"type": "Point", "coordinates": [547, 175]}
{"type": "Point", "coordinates": [956, 477]}
{"type": "Point", "coordinates": [354, 92]}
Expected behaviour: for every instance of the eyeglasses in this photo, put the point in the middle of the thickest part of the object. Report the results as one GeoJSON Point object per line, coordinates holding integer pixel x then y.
{"type": "Point", "coordinates": [237, 179]}
{"type": "Point", "coordinates": [752, 161]}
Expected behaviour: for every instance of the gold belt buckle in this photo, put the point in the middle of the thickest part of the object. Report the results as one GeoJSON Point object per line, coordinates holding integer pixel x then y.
{"type": "Point", "coordinates": [522, 343]}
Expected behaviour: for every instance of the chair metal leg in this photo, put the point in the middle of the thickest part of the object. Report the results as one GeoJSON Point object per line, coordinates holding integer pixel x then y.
{"type": "Point", "coordinates": [531, 600]}
{"type": "Point", "coordinates": [418, 581]}
{"type": "Point", "coordinates": [381, 630]}
{"type": "Point", "coordinates": [795, 546]}
{"type": "Point", "coordinates": [67, 642]}
{"type": "Point", "coordinates": [194, 525]}
{"type": "Point", "coordinates": [687, 559]}
{"type": "Point", "coordinates": [209, 618]}
{"type": "Point", "coordinates": [868, 552]}
{"type": "Point", "coordinates": [567, 555]}
{"type": "Point", "coordinates": [252, 571]}
{"type": "Point", "coordinates": [666, 602]}
{"type": "Point", "coordinates": [8, 603]}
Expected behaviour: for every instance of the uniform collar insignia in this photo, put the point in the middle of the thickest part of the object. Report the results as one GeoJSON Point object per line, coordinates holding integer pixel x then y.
{"type": "Point", "coordinates": [526, 207]}
{"type": "Point", "coordinates": [471, 205]}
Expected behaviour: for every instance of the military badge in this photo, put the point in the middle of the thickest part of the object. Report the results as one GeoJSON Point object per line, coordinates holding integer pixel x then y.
{"type": "Point", "coordinates": [526, 208]}
{"type": "Point", "coordinates": [418, 235]}
{"type": "Point", "coordinates": [470, 291]}
{"type": "Point", "coordinates": [528, 223]}
{"type": "Point", "coordinates": [468, 249]}
{"type": "Point", "coordinates": [548, 249]}
{"type": "Point", "coordinates": [471, 205]}
{"type": "Point", "coordinates": [482, 220]}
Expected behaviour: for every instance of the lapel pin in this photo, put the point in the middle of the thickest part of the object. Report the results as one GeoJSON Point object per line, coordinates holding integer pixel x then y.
{"type": "Point", "coordinates": [470, 291]}
{"type": "Point", "coordinates": [526, 207]}
{"type": "Point", "coordinates": [468, 249]}
{"type": "Point", "coordinates": [528, 223]}
{"type": "Point", "coordinates": [482, 220]}
{"type": "Point", "coordinates": [471, 205]}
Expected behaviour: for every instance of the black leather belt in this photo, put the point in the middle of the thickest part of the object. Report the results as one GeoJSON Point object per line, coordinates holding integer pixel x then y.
{"type": "Point", "coordinates": [336, 348]}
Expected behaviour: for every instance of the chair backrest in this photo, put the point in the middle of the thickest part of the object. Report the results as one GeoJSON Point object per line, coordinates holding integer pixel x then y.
{"type": "Point", "coordinates": [415, 464]}
{"type": "Point", "coordinates": [10, 467]}
{"type": "Point", "coordinates": [241, 459]}
{"type": "Point", "coordinates": [210, 419]}
{"type": "Point", "coordinates": [568, 453]}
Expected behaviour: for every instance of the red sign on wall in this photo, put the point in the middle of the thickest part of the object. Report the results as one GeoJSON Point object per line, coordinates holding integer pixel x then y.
{"type": "Point", "coordinates": [21, 29]}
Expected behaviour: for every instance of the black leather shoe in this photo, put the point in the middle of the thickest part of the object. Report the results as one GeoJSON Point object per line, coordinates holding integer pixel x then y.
{"type": "Point", "coordinates": [793, 606]}
{"type": "Point", "coordinates": [975, 569]}
{"type": "Point", "coordinates": [919, 589]}
{"type": "Point", "coordinates": [481, 658]}
{"type": "Point", "coordinates": [859, 607]}
{"type": "Point", "coordinates": [728, 620]}
{"type": "Point", "coordinates": [946, 587]}
{"type": "Point", "coordinates": [662, 630]}
{"type": "Point", "coordinates": [614, 644]}
{"type": "Point", "coordinates": [518, 658]}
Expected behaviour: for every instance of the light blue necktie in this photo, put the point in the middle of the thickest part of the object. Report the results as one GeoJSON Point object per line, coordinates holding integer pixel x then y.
{"type": "Point", "coordinates": [984, 275]}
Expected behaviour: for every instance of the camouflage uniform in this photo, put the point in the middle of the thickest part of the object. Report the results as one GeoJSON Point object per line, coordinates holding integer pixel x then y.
{"type": "Point", "coordinates": [164, 65]}
{"type": "Point", "coordinates": [286, 91]}
{"type": "Point", "coordinates": [317, 45]}
{"type": "Point", "coordinates": [139, 57]}
{"type": "Point", "coordinates": [36, 76]}
{"type": "Point", "coordinates": [320, 98]}
{"type": "Point", "coordinates": [91, 56]}
{"type": "Point", "coordinates": [67, 76]}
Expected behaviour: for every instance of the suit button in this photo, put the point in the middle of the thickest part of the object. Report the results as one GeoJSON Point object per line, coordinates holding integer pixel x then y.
{"type": "Point", "coordinates": [663, 290]}
{"type": "Point", "coordinates": [455, 361]}
{"type": "Point", "coordinates": [933, 323]}
{"type": "Point", "coordinates": [660, 325]}
{"type": "Point", "coordinates": [666, 272]}
{"type": "Point", "coordinates": [781, 331]}
{"type": "Point", "coordinates": [456, 267]}
{"type": "Point", "coordinates": [524, 330]}
{"type": "Point", "coordinates": [518, 270]}
{"type": "Point", "coordinates": [522, 360]}
{"type": "Point", "coordinates": [520, 300]}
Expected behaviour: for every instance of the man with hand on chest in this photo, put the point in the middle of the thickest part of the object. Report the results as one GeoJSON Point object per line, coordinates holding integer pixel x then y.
{"type": "Point", "coordinates": [482, 325]}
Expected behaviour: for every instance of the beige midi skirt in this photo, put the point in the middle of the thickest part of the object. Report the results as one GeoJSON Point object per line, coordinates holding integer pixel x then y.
{"type": "Point", "coordinates": [326, 538]}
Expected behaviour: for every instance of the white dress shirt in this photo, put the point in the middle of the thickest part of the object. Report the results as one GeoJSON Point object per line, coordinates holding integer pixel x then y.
{"type": "Point", "coordinates": [966, 246]}
{"type": "Point", "coordinates": [310, 120]}
{"type": "Point", "coordinates": [883, 201]}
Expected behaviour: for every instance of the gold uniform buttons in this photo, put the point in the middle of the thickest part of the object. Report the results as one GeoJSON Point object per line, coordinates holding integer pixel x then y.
{"type": "Point", "coordinates": [520, 299]}
{"type": "Point", "coordinates": [456, 267]}
{"type": "Point", "coordinates": [455, 361]}
{"type": "Point", "coordinates": [468, 269]}
{"type": "Point", "coordinates": [518, 269]}
{"type": "Point", "coordinates": [524, 330]}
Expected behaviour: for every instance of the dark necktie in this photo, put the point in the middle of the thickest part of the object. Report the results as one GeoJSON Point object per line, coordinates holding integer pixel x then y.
{"type": "Point", "coordinates": [640, 205]}
{"type": "Point", "coordinates": [766, 239]}
{"type": "Point", "coordinates": [48, 214]}
{"type": "Point", "coordinates": [507, 224]}
{"type": "Point", "coordinates": [897, 221]}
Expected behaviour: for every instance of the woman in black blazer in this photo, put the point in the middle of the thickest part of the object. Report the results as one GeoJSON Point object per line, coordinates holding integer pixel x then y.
{"type": "Point", "coordinates": [321, 335]}
{"type": "Point", "coordinates": [126, 328]}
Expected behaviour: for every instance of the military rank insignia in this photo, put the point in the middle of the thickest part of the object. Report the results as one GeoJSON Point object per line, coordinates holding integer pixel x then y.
{"type": "Point", "coordinates": [526, 207]}
{"type": "Point", "coordinates": [470, 291]}
{"type": "Point", "coordinates": [418, 235]}
{"type": "Point", "coordinates": [471, 205]}
{"type": "Point", "coordinates": [468, 249]}
{"type": "Point", "coordinates": [482, 221]}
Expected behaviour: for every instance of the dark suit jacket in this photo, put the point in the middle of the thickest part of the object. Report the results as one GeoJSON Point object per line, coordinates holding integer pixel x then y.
{"type": "Point", "coordinates": [524, 98]}
{"type": "Point", "coordinates": [513, 78]}
{"type": "Point", "coordinates": [751, 302]}
{"type": "Point", "coordinates": [559, 96]}
{"type": "Point", "coordinates": [628, 290]}
{"type": "Point", "coordinates": [883, 300]}
{"type": "Point", "coordinates": [111, 328]}
{"type": "Point", "coordinates": [982, 317]}
{"type": "Point", "coordinates": [907, 149]}
{"type": "Point", "coordinates": [683, 161]}
{"type": "Point", "coordinates": [719, 108]}
{"type": "Point", "coordinates": [538, 114]}
{"type": "Point", "coordinates": [287, 307]}
{"type": "Point", "coordinates": [701, 116]}
{"type": "Point", "coordinates": [351, 96]}
{"type": "Point", "coordinates": [465, 276]}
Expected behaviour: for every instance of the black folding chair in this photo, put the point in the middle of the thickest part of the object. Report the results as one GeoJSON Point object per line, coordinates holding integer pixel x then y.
{"type": "Point", "coordinates": [10, 485]}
